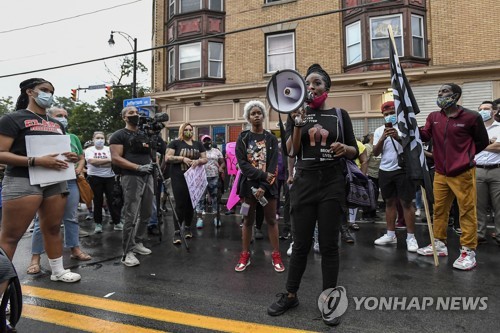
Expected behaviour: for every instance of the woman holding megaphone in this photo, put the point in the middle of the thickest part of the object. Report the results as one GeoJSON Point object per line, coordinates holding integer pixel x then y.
{"type": "Point", "coordinates": [314, 136]}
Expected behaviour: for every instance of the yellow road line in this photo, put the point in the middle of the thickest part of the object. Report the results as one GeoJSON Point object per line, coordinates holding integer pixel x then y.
{"type": "Point", "coordinates": [177, 317]}
{"type": "Point", "coordinates": [76, 321]}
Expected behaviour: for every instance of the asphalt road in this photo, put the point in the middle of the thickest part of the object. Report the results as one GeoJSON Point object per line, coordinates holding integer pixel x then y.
{"type": "Point", "coordinates": [176, 291]}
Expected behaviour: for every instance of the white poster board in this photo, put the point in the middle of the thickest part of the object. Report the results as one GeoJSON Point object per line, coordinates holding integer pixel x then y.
{"type": "Point", "coordinates": [41, 145]}
{"type": "Point", "coordinates": [196, 180]}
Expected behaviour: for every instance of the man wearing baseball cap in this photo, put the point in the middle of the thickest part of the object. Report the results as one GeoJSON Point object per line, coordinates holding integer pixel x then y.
{"type": "Point", "coordinates": [393, 182]}
{"type": "Point", "coordinates": [213, 168]}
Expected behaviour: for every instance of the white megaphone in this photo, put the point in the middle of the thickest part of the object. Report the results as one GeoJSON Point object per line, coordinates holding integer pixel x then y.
{"type": "Point", "coordinates": [286, 91]}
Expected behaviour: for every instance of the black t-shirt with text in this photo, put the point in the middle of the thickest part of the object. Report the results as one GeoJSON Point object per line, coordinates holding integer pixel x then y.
{"type": "Point", "coordinates": [129, 139]}
{"type": "Point", "coordinates": [18, 125]}
{"type": "Point", "coordinates": [183, 149]}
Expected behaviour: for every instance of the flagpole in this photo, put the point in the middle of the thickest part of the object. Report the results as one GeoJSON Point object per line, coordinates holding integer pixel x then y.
{"type": "Point", "coordinates": [424, 194]}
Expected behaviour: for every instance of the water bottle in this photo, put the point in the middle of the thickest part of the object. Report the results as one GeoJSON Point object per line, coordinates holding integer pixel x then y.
{"type": "Point", "coordinates": [262, 200]}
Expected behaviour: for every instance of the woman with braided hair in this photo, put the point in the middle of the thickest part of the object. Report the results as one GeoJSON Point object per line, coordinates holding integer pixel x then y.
{"type": "Point", "coordinates": [21, 200]}
{"type": "Point", "coordinates": [320, 140]}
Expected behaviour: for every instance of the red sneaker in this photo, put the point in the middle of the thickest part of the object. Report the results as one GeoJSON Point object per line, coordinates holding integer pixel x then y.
{"type": "Point", "coordinates": [277, 263]}
{"type": "Point", "coordinates": [244, 262]}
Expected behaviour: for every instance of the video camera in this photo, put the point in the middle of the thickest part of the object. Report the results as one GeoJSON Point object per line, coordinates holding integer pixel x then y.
{"type": "Point", "coordinates": [150, 125]}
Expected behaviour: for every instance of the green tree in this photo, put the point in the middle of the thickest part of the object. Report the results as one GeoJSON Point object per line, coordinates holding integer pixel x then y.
{"type": "Point", "coordinates": [6, 105]}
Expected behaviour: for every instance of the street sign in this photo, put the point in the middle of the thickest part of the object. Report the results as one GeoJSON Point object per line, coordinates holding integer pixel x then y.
{"type": "Point", "coordinates": [143, 112]}
{"type": "Point", "coordinates": [99, 86]}
{"type": "Point", "coordinates": [142, 101]}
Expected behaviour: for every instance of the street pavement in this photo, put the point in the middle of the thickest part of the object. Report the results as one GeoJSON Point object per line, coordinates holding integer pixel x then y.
{"type": "Point", "coordinates": [198, 291]}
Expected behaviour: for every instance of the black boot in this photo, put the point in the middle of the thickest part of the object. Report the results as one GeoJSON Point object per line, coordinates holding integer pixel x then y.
{"type": "Point", "coordinates": [345, 234]}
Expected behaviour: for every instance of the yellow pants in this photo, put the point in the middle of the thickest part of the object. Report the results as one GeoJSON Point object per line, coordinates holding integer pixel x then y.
{"type": "Point", "coordinates": [463, 187]}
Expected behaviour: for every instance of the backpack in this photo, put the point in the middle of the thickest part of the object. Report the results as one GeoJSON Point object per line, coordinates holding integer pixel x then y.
{"type": "Point", "coordinates": [360, 190]}
{"type": "Point", "coordinates": [11, 304]}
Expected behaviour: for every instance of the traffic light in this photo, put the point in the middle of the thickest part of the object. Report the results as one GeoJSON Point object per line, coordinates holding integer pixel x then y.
{"type": "Point", "coordinates": [109, 92]}
{"type": "Point", "coordinates": [74, 95]}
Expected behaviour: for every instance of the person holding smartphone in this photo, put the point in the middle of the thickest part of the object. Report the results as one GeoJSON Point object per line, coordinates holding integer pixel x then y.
{"type": "Point", "coordinates": [394, 184]}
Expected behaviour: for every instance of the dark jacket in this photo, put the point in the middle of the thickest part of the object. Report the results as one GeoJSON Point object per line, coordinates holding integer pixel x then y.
{"type": "Point", "coordinates": [456, 140]}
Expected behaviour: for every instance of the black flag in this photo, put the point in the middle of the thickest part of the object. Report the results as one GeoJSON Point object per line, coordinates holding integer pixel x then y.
{"type": "Point", "coordinates": [406, 108]}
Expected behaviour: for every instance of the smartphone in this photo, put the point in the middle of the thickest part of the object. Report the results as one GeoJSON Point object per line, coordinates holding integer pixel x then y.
{"type": "Point", "coordinates": [388, 125]}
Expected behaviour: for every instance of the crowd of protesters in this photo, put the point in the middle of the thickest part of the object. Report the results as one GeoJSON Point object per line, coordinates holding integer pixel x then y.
{"type": "Point", "coordinates": [462, 151]}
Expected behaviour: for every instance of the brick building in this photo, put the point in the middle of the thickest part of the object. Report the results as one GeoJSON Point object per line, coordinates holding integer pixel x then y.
{"type": "Point", "coordinates": [220, 54]}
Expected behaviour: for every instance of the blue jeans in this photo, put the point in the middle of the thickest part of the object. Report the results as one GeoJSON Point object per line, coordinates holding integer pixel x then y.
{"type": "Point", "coordinates": [70, 221]}
{"type": "Point", "coordinates": [212, 192]}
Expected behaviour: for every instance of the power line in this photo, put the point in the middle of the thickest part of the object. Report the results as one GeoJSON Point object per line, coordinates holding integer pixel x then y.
{"type": "Point", "coordinates": [68, 18]}
{"type": "Point", "coordinates": [197, 39]}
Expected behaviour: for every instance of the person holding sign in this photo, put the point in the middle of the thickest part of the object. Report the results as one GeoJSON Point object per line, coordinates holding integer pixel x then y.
{"type": "Point", "coordinates": [183, 154]}
{"type": "Point", "coordinates": [21, 200]}
{"type": "Point", "coordinates": [257, 155]}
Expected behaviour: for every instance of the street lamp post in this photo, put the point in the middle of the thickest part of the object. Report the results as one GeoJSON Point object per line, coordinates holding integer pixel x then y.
{"type": "Point", "coordinates": [129, 38]}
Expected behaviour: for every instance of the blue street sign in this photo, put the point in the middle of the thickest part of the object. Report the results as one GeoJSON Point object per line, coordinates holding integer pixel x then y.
{"type": "Point", "coordinates": [143, 112]}
{"type": "Point", "coordinates": [142, 101]}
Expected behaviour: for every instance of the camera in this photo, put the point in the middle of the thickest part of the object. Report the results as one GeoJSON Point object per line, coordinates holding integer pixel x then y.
{"type": "Point", "coordinates": [152, 125]}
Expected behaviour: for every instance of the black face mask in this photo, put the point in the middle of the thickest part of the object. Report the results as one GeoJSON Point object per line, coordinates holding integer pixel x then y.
{"type": "Point", "coordinates": [207, 145]}
{"type": "Point", "coordinates": [134, 120]}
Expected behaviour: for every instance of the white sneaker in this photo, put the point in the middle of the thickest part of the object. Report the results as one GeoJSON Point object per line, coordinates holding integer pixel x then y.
{"type": "Point", "coordinates": [118, 227]}
{"type": "Point", "coordinates": [141, 249]}
{"type": "Point", "coordinates": [130, 260]}
{"type": "Point", "coordinates": [412, 245]}
{"type": "Point", "coordinates": [316, 247]}
{"type": "Point", "coordinates": [466, 261]}
{"type": "Point", "coordinates": [199, 223]}
{"type": "Point", "coordinates": [289, 251]}
{"type": "Point", "coordinates": [386, 239]}
{"type": "Point", "coordinates": [441, 249]}
{"type": "Point", "coordinates": [418, 212]}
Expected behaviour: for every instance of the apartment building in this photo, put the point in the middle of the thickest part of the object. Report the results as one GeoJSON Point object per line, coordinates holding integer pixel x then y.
{"type": "Point", "coordinates": [219, 54]}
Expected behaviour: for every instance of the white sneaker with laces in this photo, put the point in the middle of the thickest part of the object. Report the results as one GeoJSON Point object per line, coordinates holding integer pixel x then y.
{"type": "Point", "coordinates": [466, 261]}
{"type": "Point", "coordinates": [130, 260]}
{"type": "Point", "coordinates": [118, 227]}
{"type": "Point", "coordinates": [412, 245]}
{"type": "Point", "coordinates": [141, 249]}
{"type": "Point", "coordinates": [418, 212]}
{"type": "Point", "coordinates": [441, 249]}
{"type": "Point", "coordinates": [289, 251]}
{"type": "Point", "coordinates": [386, 239]}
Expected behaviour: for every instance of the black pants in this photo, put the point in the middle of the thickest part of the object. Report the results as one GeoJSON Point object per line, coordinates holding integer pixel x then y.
{"type": "Point", "coordinates": [183, 206]}
{"type": "Point", "coordinates": [103, 186]}
{"type": "Point", "coordinates": [372, 213]}
{"type": "Point", "coordinates": [316, 196]}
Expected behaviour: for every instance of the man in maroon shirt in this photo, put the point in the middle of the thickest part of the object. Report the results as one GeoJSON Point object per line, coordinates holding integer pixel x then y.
{"type": "Point", "coordinates": [458, 135]}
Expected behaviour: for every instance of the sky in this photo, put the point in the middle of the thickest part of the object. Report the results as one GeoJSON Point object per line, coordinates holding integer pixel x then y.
{"type": "Point", "coordinates": [69, 41]}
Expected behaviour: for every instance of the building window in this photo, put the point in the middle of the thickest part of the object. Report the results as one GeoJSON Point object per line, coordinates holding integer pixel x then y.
{"type": "Point", "coordinates": [171, 8]}
{"type": "Point", "coordinates": [189, 5]}
{"type": "Point", "coordinates": [417, 34]}
{"type": "Point", "coordinates": [215, 58]}
{"type": "Point", "coordinates": [189, 61]}
{"type": "Point", "coordinates": [171, 66]}
{"type": "Point", "coordinates": [280, 52]}
{"type": "Point", "coordinates": [380, 37]}
{"type": "Point", "coordinates": [216, 5]}
{"type": "Point", "coordinates": [353, 43]}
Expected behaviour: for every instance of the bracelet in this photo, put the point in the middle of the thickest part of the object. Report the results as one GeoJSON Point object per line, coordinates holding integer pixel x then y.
{"type": "Point", "coordinates": [31, 161]}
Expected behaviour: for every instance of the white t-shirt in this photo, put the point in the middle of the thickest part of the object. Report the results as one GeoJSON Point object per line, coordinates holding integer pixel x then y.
{"type": "Point", "coordinates": [389, 161]}
{"type": "Point", "coordinates": [99, 170]}
{"type": "Point", "coordinates": [488, 157]}
{"type": "Point", "coordinates": [212, 166]}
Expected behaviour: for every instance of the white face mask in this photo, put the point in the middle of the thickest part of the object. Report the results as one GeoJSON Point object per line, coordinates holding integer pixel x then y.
{"type": "Point", "coordinates": [44, 99]}
{"type": "Point", "coordinates": [485, 114]}
{"type": "Point", "coordinates": [99, 143]}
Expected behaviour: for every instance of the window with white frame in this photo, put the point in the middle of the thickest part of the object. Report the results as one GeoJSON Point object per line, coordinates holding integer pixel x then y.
{"type": "Point", "coordinates": [417, 34]}
{"type": "Point", "coordinates": [215, 59]}
{"type": "Point", "coordinates": [379, 35]}
{"type": "Point", "coordinates": [353, 43]}
{"type": "Point", "coordinates": [189, 5]}
{"type": "Point", "coordinates": [280, 52]}
{"type": "Point", "coordinates": [216, 5]}
{"type": "Point", "coordinates": [189, 61]}
{"type": "Point", "coordinates": [171, 66]}
{"type": "Point", "coordinates": [171, 8]}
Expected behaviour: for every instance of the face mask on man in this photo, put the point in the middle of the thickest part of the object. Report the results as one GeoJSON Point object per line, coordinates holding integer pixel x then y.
{"type": "Point", "coordinates": [44, 99]}
{"type": "Point", "coordinates": [63, 121]}
{"type": "Point", "coordinates": [485, 114]}
{"type": "Point", "coordinates": [134, 120]}
{"type": "Point", "coordinates": [392, 118]}
{"type": "Point", "coordinates": [99, 143]}
{"type": "Point", "coordinates": [446, 102]}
